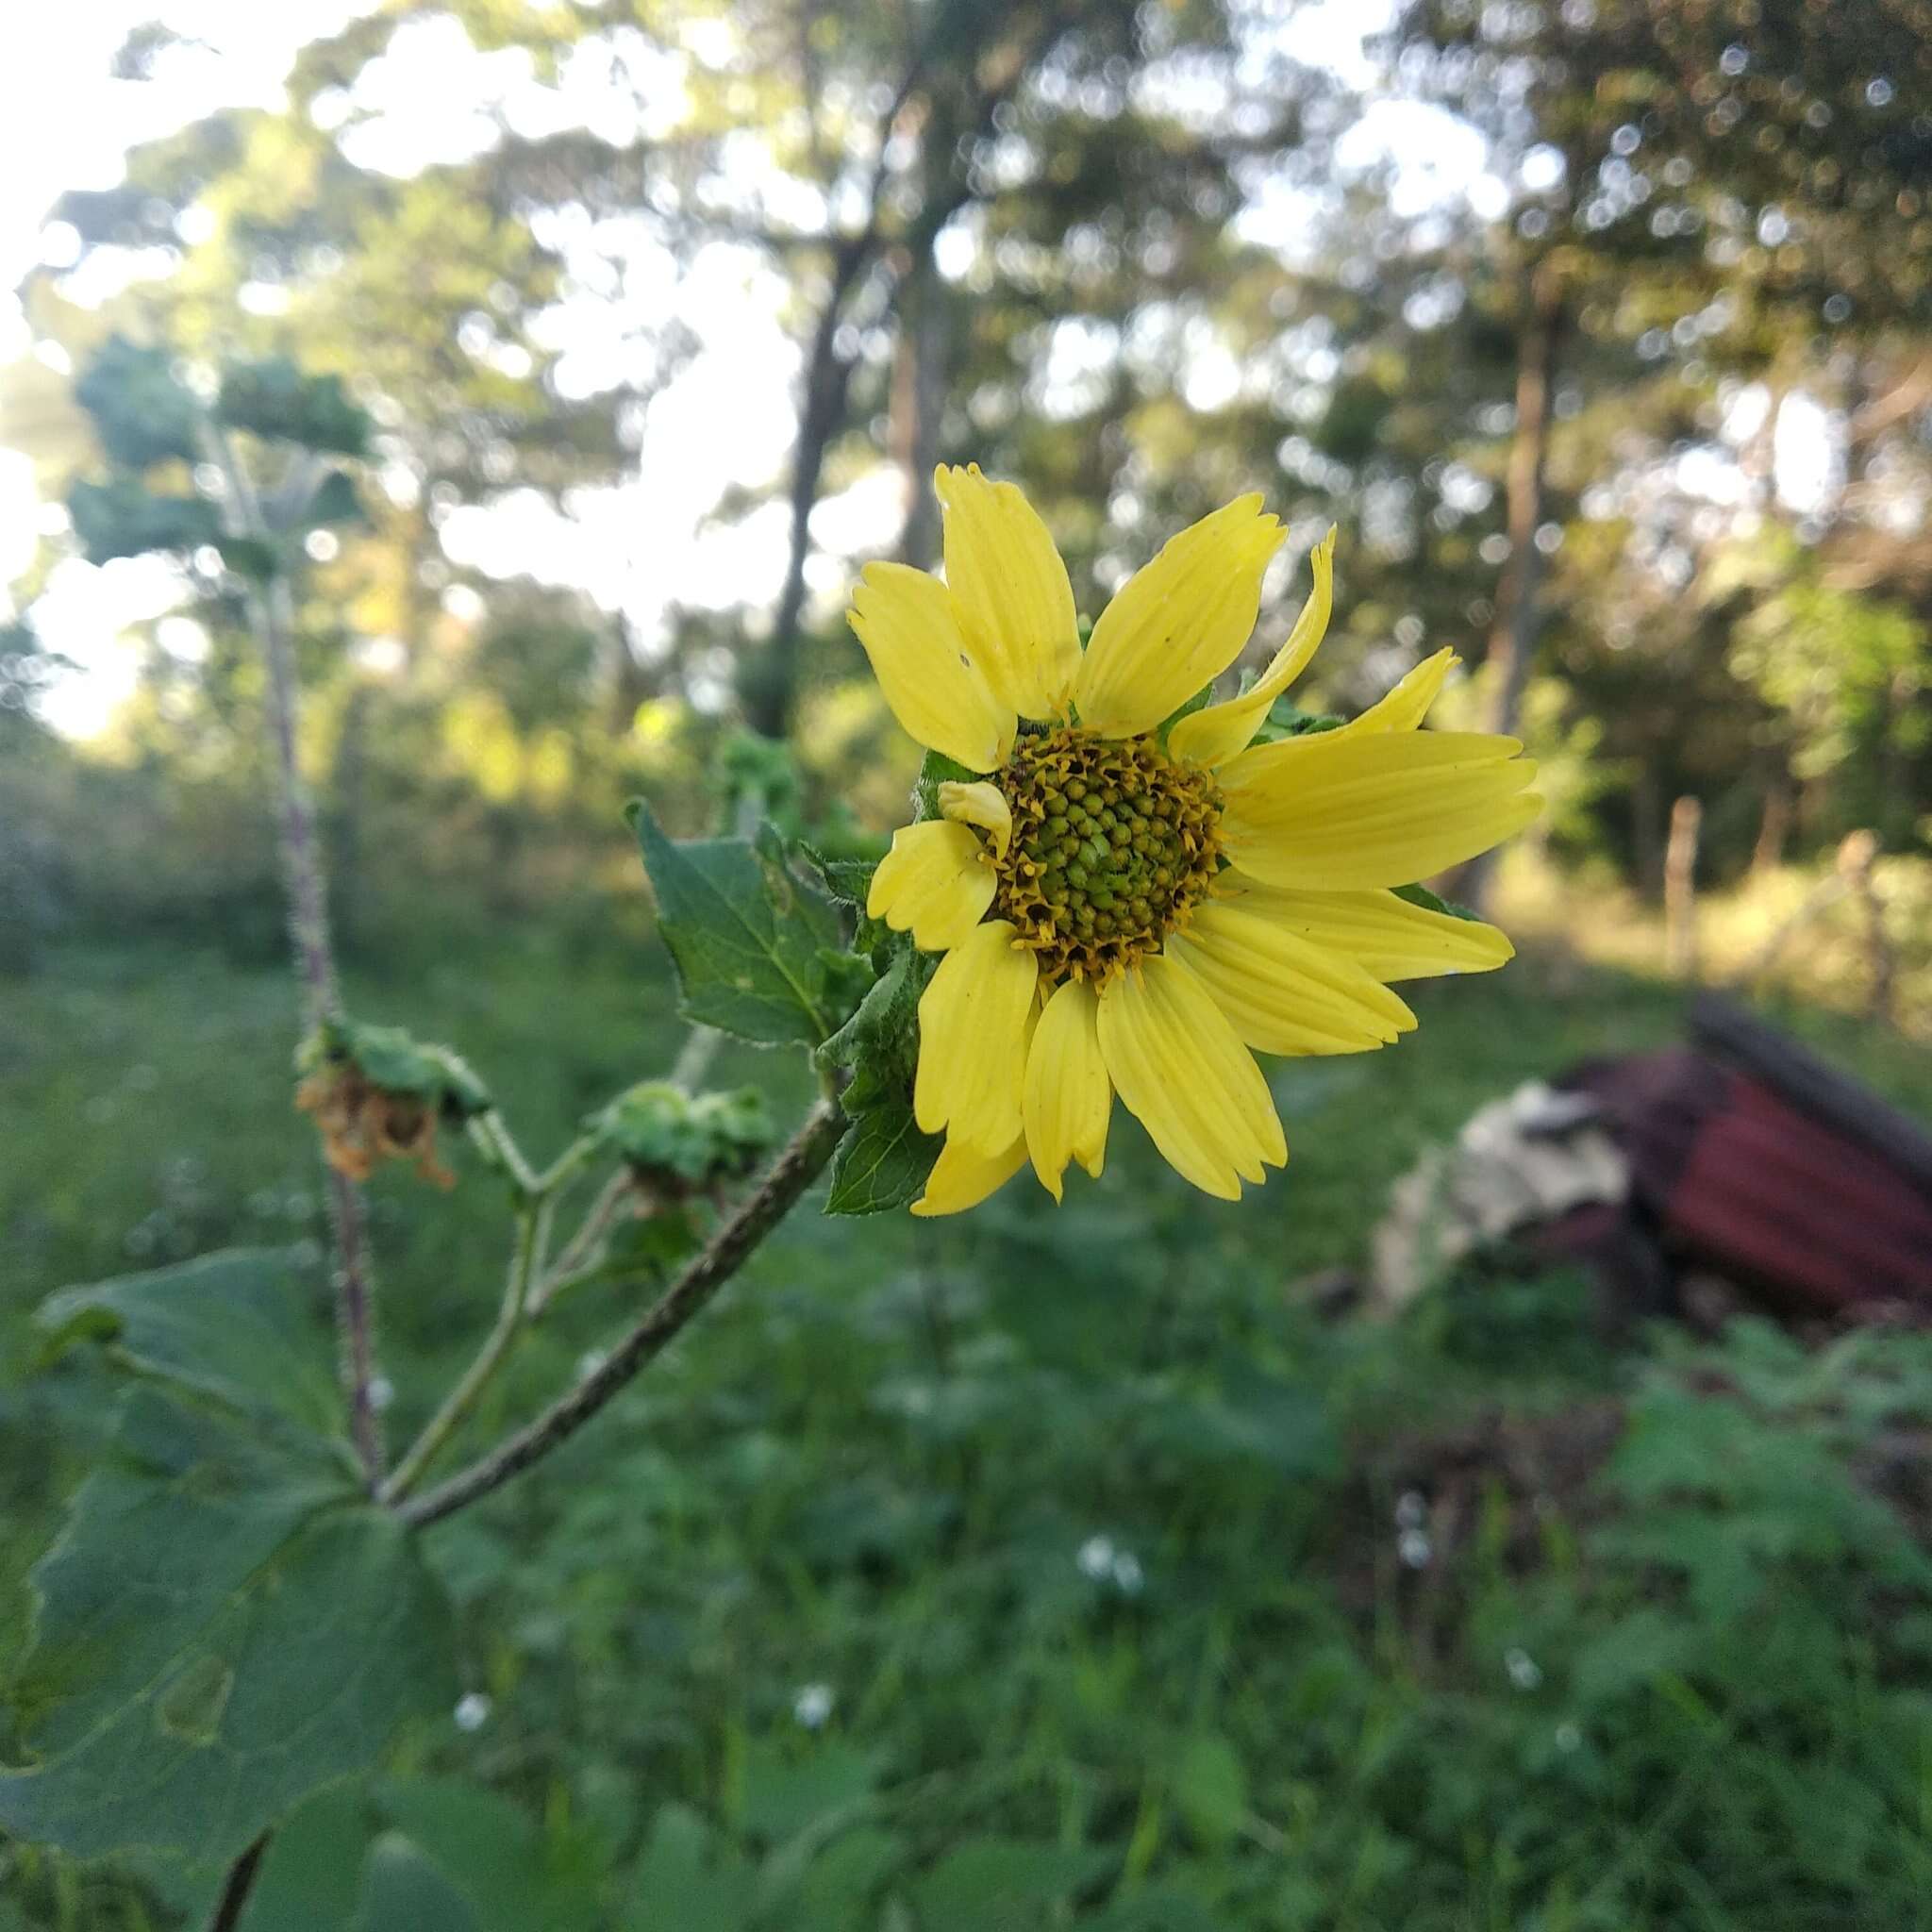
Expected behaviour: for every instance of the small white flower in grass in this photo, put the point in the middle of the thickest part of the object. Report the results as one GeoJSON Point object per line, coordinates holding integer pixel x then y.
{"type": "Point", "coordinates": [472, 1712]}
{"type": "Point", "coordinates": [1128, 1573]}
{"type": "Point", "coordinates": [590, 1362]}
{"type": "Point", "coordinates": [1568, 1738]}
{"type": "Point", "coordinates": [1411, 1511]}
{"type": "Point", "coordinates": [382, 1391]}
{"type": "Point", "coordinates": [813, 1705]}
{"type": "Point", "coordinates": [1415, 1548]}
{"type": "Point", "coordinates": [1096, 1558]}
{"type": "Point", "coordinates": [1524, 1672]}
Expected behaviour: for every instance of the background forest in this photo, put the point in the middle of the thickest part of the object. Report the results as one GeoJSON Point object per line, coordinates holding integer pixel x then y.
{"type": "Point", "coordinates": [913, 1596]}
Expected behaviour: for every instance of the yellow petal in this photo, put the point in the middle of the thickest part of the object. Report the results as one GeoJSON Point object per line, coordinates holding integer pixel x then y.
{"type": "Point", "coordinates": [905, 620]}
{"type": "Point", "coordinates": [973, 1022]}
{"type": "Point", "coordinates": [1403, 707]}
{"type": "Point", "coordinates": [980, 805]}
{"type": "Point", "coordinates": [1177, 622]}
{"type": "Point", "coordinates": [1340, 810]}
{"type": "Point", "coordinates": [1213, 736]}
{"type": "Point", "coordinates": [1385, 936]}
{"type": "Point", "coordinates": [933, 883]}
{"type": "Point", "coordinates": [1011, 591]}
{"type": "Point", "coordinates": [1283, 994]}
{"type": "Point", "coordinates": [1185, 1076]}
{"type": "Point", "coordinates": [1068, 1097]}
{"type": "Point", "coordinates": [962, 1176]}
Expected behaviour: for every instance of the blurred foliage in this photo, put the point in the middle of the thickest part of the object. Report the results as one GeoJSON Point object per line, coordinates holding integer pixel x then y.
{"type": "Point", "coordinates": [1132, 255]}
{"type": "Point", "coordinates": [918, 1595]}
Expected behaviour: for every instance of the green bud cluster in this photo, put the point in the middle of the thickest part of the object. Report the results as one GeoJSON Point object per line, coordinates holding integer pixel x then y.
{"type": "Point", "coordinates": [1112, 845]}
{"type": "Point", "coordinates": [677, 1142]}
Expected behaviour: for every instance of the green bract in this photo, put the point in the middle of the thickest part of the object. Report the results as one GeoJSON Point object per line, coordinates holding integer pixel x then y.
{"type": "Point", "coordinates": [665, 1134]}
{"type": "Point", "coordinates": [390, 1059]}
{"type": "Point", "coordinates": [884, 1159]}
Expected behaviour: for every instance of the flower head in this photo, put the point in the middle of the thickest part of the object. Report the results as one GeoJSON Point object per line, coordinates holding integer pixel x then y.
{"type": "Point", "coordinates": [376, 1094]}
{"type": "Point", "coordinates": [1131, 895]}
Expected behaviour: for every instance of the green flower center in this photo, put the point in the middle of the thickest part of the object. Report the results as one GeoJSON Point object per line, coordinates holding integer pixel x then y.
{"type": "Point", "coordinates": [1113, 845]}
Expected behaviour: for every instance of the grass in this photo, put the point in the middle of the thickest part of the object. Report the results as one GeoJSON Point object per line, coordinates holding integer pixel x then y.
{"type": "Point", "coordinates": [1041, 1569]}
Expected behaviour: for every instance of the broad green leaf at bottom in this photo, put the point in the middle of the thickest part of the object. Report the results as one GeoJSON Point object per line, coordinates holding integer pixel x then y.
{"type": "Point", "coordinates": [225, 1623]}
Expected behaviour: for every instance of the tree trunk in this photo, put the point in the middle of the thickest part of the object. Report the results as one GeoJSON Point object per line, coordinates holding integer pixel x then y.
{"type": "Point", "coordinates": [1512, 637]}
{"type": "Point", "coordinates": [769, 685]}
{"type": "Point", "coordinates": [1513, 640]}
{"type": "Point", "coordinates": [919, 377]}
{"type": "Point", "coordinates": [1680, 889]}
{"type": "Point", "coordinates": [1774, 828]}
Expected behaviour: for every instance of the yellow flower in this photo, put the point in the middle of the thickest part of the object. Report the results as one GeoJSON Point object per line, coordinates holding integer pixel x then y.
{"type": "Point", "coordinates": [1127, 910]}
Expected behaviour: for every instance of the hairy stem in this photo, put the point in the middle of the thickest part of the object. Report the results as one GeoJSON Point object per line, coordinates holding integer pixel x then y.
{"type": "Point", "coordinates": [272, 610]}
{"type": "Point", "coordinates": [237, 1886]}
{"type": "Point", "coordinates": [721, 1256]}
{"type": "Point", "coordinates": [575, 1254]}
{"type": "Point", "coordinates": [533, 1220]}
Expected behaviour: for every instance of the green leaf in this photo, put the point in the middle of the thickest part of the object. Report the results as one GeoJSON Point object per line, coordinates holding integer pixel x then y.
{"type": "Point", "coordinates": [1434, 902]}
{"type": "Point", "coordinates": [846, 880]}
{"type": "Point", "coordinates": [254, 557]}
{"type": "Point", "coordinates": [274, 399]}
{"type": "Point", "coordinates": [686, 1882]}
{"type": "Point", "coordinates": [238, 1327]}
{"type": "Point", "coordinates": [141, 414]}
{"type": "Point", "coordinates": [493, 1853]}
{"type": "Point", "coordinates": [999, 1885]}
{"type": "Point", "coordinates": [1211, 1790]}
{"type": "Point", "coordinates": [1630, 1656]}
{"type": "Point", "coordinates": [937, 769]}
{"type": "Point", "coordinates": [840, 1882]}
{"type": "Point", "coordinates": [336, 502]}
{"type": "Point", "coordinates": [464, 1852]}
{"type": "Point", "coordinates": [751, 941]}
{"type": "Point", "coordinates": [401, 1887]}
{"type": "Point", "coordinates": [310, 1874]}
{"type": "Point", "coordinates": [1286, 719]}
{"type": "Point", "coordinates": [121, 518]}
{"type": "Point", "coordinates": [1197, 702]}
{"type": "Point", "coordinates": [882, 1162]}
{"type": "Point", "coordinates": [225, 1625]}
{"type": "Point", "coordinates": [782, 1793]}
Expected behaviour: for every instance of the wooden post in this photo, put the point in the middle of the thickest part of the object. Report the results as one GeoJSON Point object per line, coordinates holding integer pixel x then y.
{"type": "Point", "coordinates": [1680, 889]}
{"type": "Point", "coordinates": [1854, 859]}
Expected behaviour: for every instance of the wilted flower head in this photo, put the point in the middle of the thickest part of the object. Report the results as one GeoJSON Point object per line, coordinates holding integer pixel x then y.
{"type": "Point", "coordinates": [377, 1094]}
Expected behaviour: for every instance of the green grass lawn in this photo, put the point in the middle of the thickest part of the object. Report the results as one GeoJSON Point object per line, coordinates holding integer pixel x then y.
{"type": "Point", "coordinates": [1039, 1568]}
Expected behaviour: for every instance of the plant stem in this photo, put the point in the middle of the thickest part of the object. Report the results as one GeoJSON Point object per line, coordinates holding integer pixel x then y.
{"type": "Point", "coordinates": [309, 931]}
{"type": "Point", "coordinates": [721, 1256]}
{"type": "Point", "coordinates": [533, 1220]}
{"type": "Point", "coordinates": [570, 1264]}
{"type": "Point", "coordinates": [272, 608]}
{"type": "Point", "coordinates": [694, 1057]}
{"type": "Point", "coordinates": [237, 1886]}
{"type": "Point", "coordinates": [497, 1145]}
